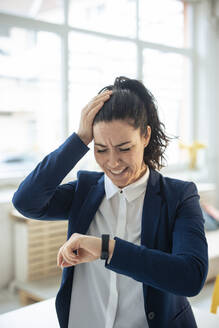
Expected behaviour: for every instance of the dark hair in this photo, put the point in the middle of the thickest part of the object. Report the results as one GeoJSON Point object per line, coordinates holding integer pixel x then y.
{"type": "Point", "coordinates": [132, 101]}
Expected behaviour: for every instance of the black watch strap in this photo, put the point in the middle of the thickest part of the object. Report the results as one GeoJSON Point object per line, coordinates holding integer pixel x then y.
{"type": "Point", "coordinates": [105, 247]}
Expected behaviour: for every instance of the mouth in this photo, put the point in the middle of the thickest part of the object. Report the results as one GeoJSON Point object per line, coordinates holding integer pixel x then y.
{"type": "Point", "coordinates": [118, 173]}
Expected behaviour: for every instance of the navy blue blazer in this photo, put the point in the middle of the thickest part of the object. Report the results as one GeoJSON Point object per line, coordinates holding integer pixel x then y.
{"type": "Point", "coordinates": [172, 260]}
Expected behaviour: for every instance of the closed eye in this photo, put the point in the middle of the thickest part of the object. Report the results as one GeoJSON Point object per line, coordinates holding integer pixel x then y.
{"type": "Point", "coordinates": [101, 151]}
{"type": "Point", "coordinates": [124, 149]}
{"type": "Point", "coordinates": [121, 149]}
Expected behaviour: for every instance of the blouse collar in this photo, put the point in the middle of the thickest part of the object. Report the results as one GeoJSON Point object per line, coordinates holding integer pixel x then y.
{"type": "Point", "coordinates": [131, 192]}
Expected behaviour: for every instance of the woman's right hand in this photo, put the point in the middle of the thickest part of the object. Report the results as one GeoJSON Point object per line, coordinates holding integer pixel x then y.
{"type": "Point", "coordinates": [85, 131]}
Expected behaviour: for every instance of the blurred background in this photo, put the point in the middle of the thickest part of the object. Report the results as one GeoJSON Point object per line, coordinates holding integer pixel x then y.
{"type": "Point", "coordinates": [57, 54]}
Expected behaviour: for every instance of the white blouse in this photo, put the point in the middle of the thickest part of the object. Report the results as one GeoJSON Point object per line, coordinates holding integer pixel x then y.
{"type": "Point", "coordinates": [102, 298]}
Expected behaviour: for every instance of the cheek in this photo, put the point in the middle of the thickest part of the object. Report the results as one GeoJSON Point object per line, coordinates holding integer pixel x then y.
{"type": "Point", "coordinates": [100, 159]}
{"type": "Point", "coordinates": [135, 160]}
{"type": "Point", "coordinates": [136, 156]}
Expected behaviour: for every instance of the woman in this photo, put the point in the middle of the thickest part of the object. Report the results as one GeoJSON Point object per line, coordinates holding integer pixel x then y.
{"type": "Point", "coordinates": [158, 255]}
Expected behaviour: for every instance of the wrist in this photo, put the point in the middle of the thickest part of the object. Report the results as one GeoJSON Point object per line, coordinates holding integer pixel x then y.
{"type": "Point", "coordinates": [83, 139]}
{"type": "Point", "coordinates": [111, 249]}
{"type": "Point", "coordinates": [92, 244]}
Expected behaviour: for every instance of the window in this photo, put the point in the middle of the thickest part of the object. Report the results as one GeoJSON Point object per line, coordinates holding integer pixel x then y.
{"type": "Point", "coordinates": [169, 81]}
{"type": "Point", "coordinates": [48, 72]}
{"type": "Point", "coordinates": [30, 106]}
{"type": "Point", "coordinates": [111, 16]}
{"type": "Point", "coordinates": [95, 62]}
{"type": "Point", "coordinates": [50, 11]}
{"type": "Point", "coordinates": [163, 22]}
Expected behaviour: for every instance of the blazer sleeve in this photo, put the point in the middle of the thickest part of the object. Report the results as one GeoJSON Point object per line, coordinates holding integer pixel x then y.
{"type": "Point", "coordinates": [182, 272]}
{"type": "Point", "coordinates": [40, 195]}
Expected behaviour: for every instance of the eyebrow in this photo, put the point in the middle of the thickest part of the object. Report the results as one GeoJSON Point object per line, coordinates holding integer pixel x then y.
{"type": "Point", "coordinates": [123, 143]}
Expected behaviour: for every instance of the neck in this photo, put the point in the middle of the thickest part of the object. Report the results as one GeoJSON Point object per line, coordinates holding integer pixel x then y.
{"type": "Point", "coordinates": [143, 171]}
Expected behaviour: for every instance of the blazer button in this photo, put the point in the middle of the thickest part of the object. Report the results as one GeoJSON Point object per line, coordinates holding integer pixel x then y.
{"type": "Point", "coordinates": [151, 315]}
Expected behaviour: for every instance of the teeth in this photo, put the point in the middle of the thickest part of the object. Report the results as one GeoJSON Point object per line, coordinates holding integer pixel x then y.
{"type": "Point", "coordinates": [117, 172]}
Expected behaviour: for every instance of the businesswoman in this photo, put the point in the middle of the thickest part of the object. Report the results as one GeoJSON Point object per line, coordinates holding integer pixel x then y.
{"type": "Point", "coordinates": [136, 247]}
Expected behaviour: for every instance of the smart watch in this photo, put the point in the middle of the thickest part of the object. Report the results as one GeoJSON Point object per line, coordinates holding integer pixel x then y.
{"type": "Point", "coordinates": [105, 247]}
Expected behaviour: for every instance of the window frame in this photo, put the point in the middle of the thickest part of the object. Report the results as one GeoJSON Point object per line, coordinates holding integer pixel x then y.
{"type": "Point", "coordinates": [63, 30]}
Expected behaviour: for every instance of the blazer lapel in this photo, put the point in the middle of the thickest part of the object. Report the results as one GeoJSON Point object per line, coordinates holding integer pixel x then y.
{"type": "Point", "coordinates": [151, 210]}
{"type": "Point", "coordinates": [90, 206]}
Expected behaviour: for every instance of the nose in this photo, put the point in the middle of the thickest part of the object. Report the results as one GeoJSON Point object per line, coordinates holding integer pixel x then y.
{"type": "Point", "coordinates": [113, 160]}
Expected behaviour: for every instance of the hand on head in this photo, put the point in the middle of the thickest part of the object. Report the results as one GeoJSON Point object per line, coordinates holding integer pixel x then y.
{"type": "Point", "coordinates": [85, 131]}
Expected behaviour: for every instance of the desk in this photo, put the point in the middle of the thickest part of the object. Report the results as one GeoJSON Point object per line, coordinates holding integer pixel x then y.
{"type": "Point", "coordinates": [43, 315]}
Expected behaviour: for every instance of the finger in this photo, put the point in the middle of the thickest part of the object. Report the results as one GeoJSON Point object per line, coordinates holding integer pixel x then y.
{"type": "Point", "coordinates": [61, 260]}
{"type": "Point", "coordinates": [92, 106]}
{"type": "Point", "coordinates": [67, 264]}
{"type": "Point", "coordinates": [95, 109]}
{"type": "Point", "coordinates": [103, 97]}
{"type": "Point", "coordinates": [98, 100]}
{"type": "Point", "coordinates": [92, 113]}
{"type": "Point", "coordinates": [66, 258]}
{"type": "Point", "coordinates": [107, 92]}
{"type": "Point", "coordinates": [58, 260]}
{"type": "Point", "coordinates": [68, 255]}
{"type": "Point", "coordinates": [59, 257]}
{"type": "Point", "coordinates": [69, 249]}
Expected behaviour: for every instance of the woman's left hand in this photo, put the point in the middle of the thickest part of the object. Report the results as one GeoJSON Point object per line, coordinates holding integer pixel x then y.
{"type": "Point", "coordinates": [88, 249]}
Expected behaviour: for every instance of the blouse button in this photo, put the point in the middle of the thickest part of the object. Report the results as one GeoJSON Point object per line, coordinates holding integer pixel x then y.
{"type": "Point", "coordinates": [151, 315]}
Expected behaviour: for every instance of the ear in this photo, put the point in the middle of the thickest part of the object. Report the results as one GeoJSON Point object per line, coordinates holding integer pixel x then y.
{"type": "Point", "coordinates": [147, 136]}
